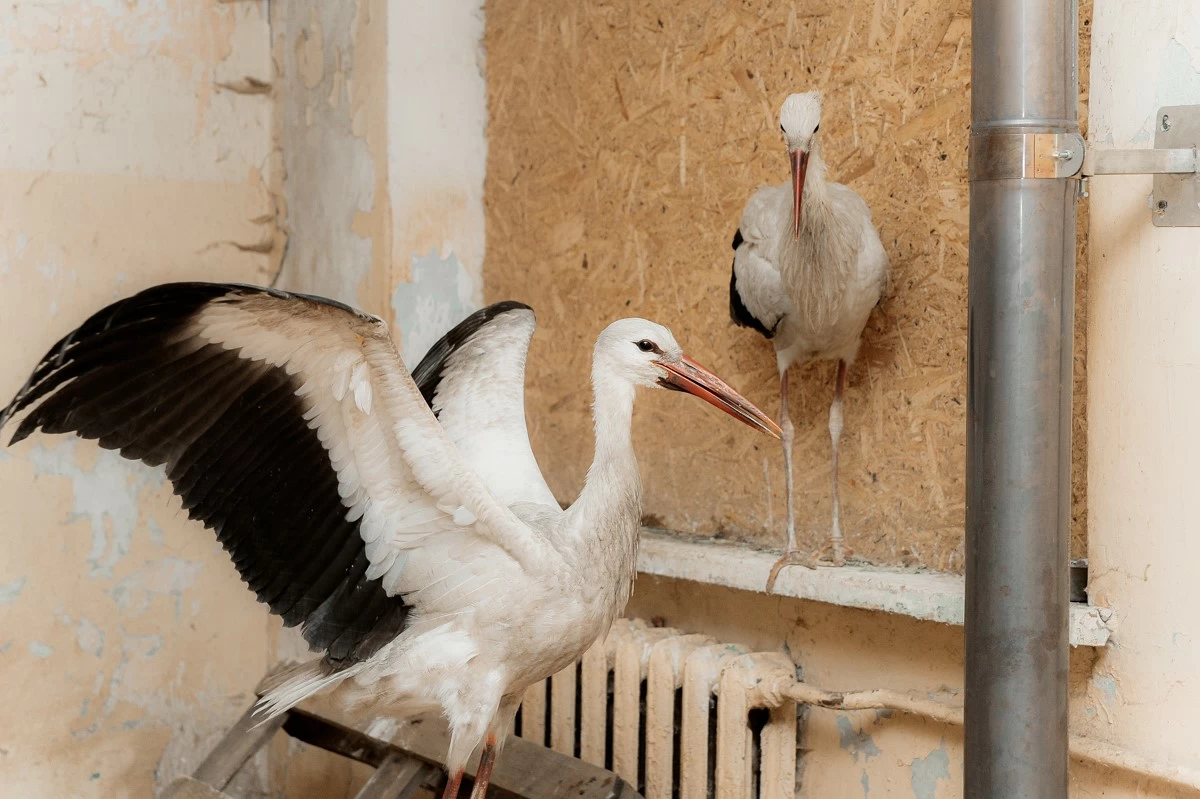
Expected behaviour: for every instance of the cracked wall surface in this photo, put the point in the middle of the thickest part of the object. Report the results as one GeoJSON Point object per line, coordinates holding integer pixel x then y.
{"type": "Point", "coordinates": [134, 150]}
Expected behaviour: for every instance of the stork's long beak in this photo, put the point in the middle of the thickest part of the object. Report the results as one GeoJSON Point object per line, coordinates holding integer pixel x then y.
{"type": "Point", "coordinates": [689, 376]}
{"type": "Point", "coordinates": [799, 159]}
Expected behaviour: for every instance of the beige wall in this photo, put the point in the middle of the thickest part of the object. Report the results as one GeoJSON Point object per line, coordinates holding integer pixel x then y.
{"type": "Point", "coordinates": [199, 140]}
{"type": "Point", "coordinates": [1144, 351]}
{"type": "Point", "coordinates": [126, 639]}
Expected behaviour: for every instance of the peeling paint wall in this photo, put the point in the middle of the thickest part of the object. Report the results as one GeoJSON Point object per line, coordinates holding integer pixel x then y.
{"type": "Point", "coordinates": [877, 754]}
{"type": "Point", "coordinates": [135, 150]}
{"type": "Point", "coordinates": [437, 157]}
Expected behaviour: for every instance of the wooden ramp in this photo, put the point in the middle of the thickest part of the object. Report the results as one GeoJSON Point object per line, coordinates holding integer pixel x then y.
{"type": "Point", "coordinates": [523, 770]}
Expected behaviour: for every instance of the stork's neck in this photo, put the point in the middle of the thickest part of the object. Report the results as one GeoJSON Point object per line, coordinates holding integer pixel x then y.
{"type": "Point", "coordinates": [816, 186]}
{"type": "Point", "coordinates": [609, 507]}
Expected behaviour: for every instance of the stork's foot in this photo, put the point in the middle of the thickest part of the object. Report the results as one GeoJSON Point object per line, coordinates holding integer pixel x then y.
{"type": "Point", "coordinates": [833, 554]}
{"type": "Point", "coordinates": [790, 558]}
{"type": "Point", "coordinates": [829, 555]}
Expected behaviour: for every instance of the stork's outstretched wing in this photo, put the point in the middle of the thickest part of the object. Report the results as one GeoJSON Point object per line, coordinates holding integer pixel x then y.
{"type": "Point", "coordinates": [474, 380]}
{"type": "Point", "coordinates": [287, 424]}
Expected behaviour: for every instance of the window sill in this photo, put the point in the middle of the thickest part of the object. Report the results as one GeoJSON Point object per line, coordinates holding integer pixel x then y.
{"type": "Point", "coordinates": [930, 596]}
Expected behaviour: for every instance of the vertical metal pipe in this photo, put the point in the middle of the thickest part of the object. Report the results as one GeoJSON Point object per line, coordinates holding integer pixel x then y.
{"type": "Point", "coordinates": [1020, 321]}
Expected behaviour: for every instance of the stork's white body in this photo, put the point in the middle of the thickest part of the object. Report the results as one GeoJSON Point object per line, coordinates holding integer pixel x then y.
{"type": "Point", "coordinates": [402, 520]}
{"type": "Point", "coordinates": [807, 277]}
{"type": "Point", "coordinates": [820, 289]}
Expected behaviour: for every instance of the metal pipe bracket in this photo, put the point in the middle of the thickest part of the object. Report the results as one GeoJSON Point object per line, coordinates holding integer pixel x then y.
{"type": "Point", "coordinates": [1013, 156]}
{"type": "Point", "coordinates": [1174, 161]}
{"type": "Point", "coordinates": [1176, 198]}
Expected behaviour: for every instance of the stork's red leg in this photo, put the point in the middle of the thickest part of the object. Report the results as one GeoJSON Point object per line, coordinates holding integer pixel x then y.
{"type": "Point", "coordinates": [483, 775]}
{"type": "Point", "coordinates": [452, 783]}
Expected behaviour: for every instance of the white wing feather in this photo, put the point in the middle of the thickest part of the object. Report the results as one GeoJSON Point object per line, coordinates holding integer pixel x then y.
{"type": "Point", "coordinates": [480, 402]}
{"type": "Point", "coordinates": [397, 469]}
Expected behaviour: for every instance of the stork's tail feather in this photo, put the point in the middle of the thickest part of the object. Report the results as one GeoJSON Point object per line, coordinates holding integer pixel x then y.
{"type": "Point", "coordinates": [284, 689]}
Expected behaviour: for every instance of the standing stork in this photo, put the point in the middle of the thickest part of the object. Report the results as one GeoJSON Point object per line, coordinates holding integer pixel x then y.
{"type": "Point", "coordinates": [406, 528]}
{"type": "Point", "coordinates": [808, 268]}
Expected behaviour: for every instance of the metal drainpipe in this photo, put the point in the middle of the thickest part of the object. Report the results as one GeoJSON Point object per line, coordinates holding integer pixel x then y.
{"type": "Point", "coordinates": [1020, 322]}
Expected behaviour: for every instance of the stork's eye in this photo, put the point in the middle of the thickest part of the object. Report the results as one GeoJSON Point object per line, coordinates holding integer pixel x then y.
{"type": "Point", "coordinates": [781, 130]}
{"type": "Point", "coordinates": [818, 127]}
{"type": "Point", "coordinates": [646, 345]}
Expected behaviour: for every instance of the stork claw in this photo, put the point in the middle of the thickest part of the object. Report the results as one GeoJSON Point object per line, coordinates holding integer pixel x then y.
{"type": "Point", "coordinates": [833, 554]}
{"type": "Point", "coordinates": [790, 558]}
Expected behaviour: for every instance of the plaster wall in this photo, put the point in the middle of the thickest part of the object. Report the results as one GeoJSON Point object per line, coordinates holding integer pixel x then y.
{"type": "Point", "coordinates": [1144, 369]}
{"type": "Point", "coordinates": [134, 151]}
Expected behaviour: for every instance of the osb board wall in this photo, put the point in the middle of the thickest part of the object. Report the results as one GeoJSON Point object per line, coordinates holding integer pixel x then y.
{"type": "Point", "coordinates": [624, 139]}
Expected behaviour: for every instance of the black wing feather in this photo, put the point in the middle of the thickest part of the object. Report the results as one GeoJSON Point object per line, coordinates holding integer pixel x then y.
{"type": "Point", "coordinates": [237, 450]}
{"type": "Point", "coordinates": [429, 372]}
{"type": "Point", "coordinates": [738, 311]}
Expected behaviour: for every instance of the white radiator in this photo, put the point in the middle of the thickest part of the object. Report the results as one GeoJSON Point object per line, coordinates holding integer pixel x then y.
{"type": "Point", "coordinates": [677, 715]}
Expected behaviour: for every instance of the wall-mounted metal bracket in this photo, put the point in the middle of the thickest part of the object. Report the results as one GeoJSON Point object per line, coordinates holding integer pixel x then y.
{"type": "Point", "coordinates": [1174, 161]}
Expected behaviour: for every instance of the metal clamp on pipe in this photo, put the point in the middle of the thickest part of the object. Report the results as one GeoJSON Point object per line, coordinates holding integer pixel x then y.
{"type": "Point", "coordinates": [1008, 156]}
{"type": "Point", "coordinates": [1174, 161]}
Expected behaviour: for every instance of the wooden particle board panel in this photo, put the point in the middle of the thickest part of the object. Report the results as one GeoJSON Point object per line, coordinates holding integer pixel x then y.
{"type": "Point", "coordinates": [624, 139]}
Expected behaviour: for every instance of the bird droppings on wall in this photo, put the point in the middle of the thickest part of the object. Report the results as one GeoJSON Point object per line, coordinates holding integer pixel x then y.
{"type": "Point", "coordinates": [440, 296]}
{"type": "Point", "coordinates": [654, 123]}
{"type": "Point", "coordinates": [928, 771]}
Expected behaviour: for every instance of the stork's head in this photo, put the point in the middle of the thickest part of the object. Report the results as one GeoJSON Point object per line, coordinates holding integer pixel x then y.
{"type": "Point", "coordinates": [800, 119]}
{"type": "Point", "coordinates": [646, 354]}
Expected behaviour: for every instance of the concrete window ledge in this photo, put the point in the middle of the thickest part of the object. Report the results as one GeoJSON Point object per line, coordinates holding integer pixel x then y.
{"type": "Point", "coordinates": [922, 595]}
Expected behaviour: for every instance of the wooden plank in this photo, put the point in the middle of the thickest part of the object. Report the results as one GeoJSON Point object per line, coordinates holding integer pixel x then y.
{"type": "Point", "coordinates": [239, 744]}
{"type": "Point", "coordinates": [523, 770]}
{"type": "Point", "coordinates": [398, 777]}
{"type": "Point", "coordinates": [191, 788]}
{"type": "Point", "coordinates": [337, 738]}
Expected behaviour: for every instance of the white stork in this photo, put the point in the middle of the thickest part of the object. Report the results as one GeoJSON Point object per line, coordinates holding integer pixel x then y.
{"type": "Point", "coordinates": [429, 563]}
{"type": "Point", "coordinates": [808, 268]}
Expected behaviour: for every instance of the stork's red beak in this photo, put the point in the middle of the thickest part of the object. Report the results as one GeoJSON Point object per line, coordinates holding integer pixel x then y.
{"type": "Point", "coordinates": [689, 376]}
{"type": "Point", "coordinates": [799, 159]}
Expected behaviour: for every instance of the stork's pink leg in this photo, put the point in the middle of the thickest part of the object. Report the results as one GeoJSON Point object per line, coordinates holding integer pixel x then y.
{"type": "Point", "coordinates": [835, 436]}
{"type": "Point", "coordinates": [452, 783]}
{"type": "Point", "coordinates": [792, 556]}
{"type": "Point", "coordinates": [483, 775]}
